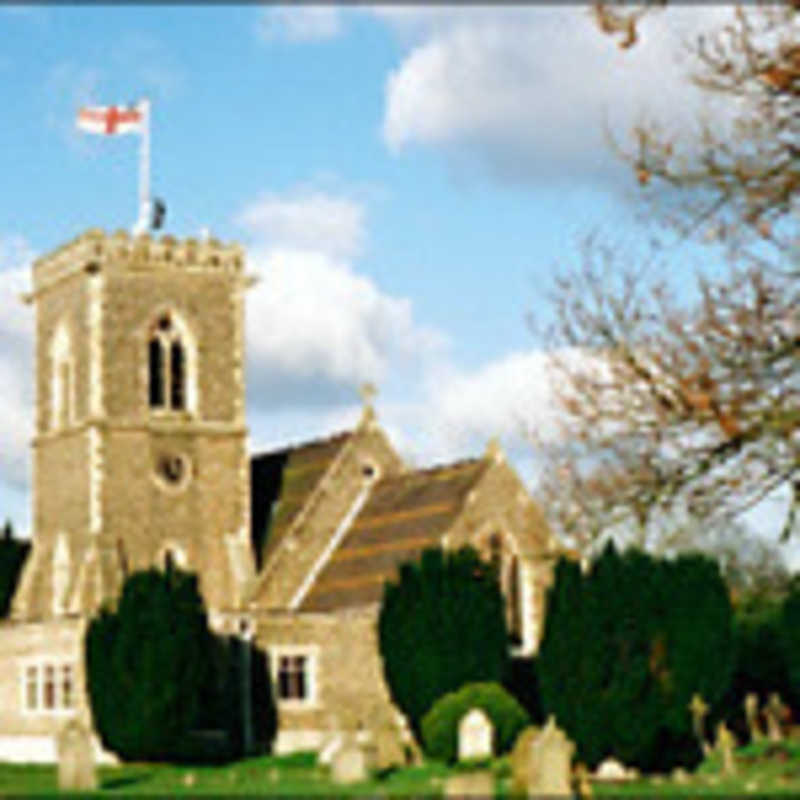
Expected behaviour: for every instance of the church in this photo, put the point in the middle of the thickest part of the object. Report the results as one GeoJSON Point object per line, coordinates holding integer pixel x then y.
{"type": "Point", "coordinates": [141, 458]}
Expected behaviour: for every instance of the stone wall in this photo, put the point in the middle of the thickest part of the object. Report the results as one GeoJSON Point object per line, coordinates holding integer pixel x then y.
{"type": "Point", "coordinates": [500, 503]}
{"type": "Point", "coordinates": [350, 689]}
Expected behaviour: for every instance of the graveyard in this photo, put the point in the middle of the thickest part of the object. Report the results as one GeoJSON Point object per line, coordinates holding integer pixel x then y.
{"type": "Point", "coordinates": [761, 768]}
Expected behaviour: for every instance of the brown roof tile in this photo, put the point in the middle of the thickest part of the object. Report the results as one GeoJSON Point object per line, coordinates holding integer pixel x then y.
{"type": "Point", "coordinates": [281, 483]}
{"type": "Point", "coordinates": [404, 515]}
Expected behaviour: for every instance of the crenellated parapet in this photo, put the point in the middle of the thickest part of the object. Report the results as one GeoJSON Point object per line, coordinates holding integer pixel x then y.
{"type": "Point", "coordinates": [95, 251]}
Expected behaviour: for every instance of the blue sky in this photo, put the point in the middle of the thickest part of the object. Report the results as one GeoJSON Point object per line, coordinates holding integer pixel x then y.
{"type": "Point", "coordinates": [404, 180]}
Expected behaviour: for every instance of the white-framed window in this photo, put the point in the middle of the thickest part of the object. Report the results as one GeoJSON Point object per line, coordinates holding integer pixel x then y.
{"type": "Point", "coordinates": [48, 687]}
{"type": "Point", "coordinates": [294, 675]}
{"type": "Point", "coordinates": [171, 365]}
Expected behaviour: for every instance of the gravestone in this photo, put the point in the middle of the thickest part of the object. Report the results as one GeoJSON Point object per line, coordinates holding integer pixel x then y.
{"type": "Point", "coordinates": [470, 784]}
{"type": "Point", "coordinates": [774, 711]}
{"type": "Point", "coordinates": [550, 763]}
{"type": "Point", "coordinates": [521, 761]}
{"type": "Point", "coordinates": [699, 709]}
{"type": "Point", "coordinates": [751, 715]}
{"type": "Point", "coordinates": [349, 763]}
{"type": "Point", "coordinates": [610, 770]}
{"type": "Point", "coordinates": [475, 733]}
{"type": "Point", "coordinates": [724, 746]}
{"type": "Point", "coordinates": [582, 784]}
{"type": "Point", "coordinates": [75, 758]}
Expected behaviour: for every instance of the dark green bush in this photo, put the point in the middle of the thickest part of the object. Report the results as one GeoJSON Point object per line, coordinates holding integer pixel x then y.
{"type": "Point", "coordinates": [441, 625]}
{"type": "Point", "coordinates": [440, 724]}
{"type": "Point", "coordinates": [624, 649]}
{"type": "Point", "coordinates": [161, 686]}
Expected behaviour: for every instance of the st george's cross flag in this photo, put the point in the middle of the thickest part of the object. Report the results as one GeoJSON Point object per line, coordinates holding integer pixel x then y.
{"type": "Point", "coordinates": [111, 120]}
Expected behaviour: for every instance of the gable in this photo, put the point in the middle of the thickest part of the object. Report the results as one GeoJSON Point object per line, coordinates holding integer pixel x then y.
{"type": "Point", "coordinates": [281, 483]}
{"type": "Point", "coordinates": [404, 515]}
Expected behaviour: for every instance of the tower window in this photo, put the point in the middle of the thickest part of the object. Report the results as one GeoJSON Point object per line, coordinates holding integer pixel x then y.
{"type": "Point", "coordinates": [177, 376]}
{"type": "Point", "coordinates": [167, 367]}
{"type": "Point", "coordinates": [156, 374]}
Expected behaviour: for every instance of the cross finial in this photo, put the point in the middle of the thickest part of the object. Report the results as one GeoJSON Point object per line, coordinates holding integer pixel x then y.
{"type": "Point", "coordinates": [367, 391]}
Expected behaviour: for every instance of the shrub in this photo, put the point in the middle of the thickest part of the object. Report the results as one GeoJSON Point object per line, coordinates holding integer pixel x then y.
{"type": "Point", "coordinates": [441, 625]}
{"type": "Point", "coordinates": [156, 674]}
{"type": "Point", "coordinates": [624, 649]}
{"type": "Point", "coordinates": [440, 724]}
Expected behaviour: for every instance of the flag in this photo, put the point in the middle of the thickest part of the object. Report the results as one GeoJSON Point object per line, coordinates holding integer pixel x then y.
{"type": "Point", "coordinates": [111, 120]}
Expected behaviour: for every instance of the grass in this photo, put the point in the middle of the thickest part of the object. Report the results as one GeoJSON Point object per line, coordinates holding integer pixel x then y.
{"type": "Point", "coordinates": [762, 769]}
{"type": "Point", "coordinates": [289, 775]}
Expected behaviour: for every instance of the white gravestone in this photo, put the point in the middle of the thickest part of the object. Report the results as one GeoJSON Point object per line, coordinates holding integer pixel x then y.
{"type": "Point", "coordinates": [475, 733]}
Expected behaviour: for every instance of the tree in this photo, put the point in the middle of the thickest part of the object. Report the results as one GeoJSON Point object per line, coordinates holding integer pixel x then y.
{"type": "Point", "coordinates": [13, 553]}
{"type": "Point", "coordinates": [625, 647]}
{"type": "Point", "coordinates": [677, 410]}
{"type": "Point", "coordinates": [148, 666]}
{"type": "Point", "coordinates": [441, 625]}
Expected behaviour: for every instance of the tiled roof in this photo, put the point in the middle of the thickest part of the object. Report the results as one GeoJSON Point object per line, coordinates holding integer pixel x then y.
{"type": "Point", "coordinates": [281, 483]}
{"type": "Point", "coordinates": [403, 515]}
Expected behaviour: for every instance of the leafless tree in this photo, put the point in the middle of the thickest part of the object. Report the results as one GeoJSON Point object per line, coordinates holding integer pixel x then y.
{"type": "Point", "coordinates": [676, 410]}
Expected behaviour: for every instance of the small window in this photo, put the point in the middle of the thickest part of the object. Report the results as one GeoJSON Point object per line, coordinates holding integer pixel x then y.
{"type": "Point", "coordinates": [177, 376]}
{"type": "Point", "coordinates": [293, 677]}
{"type": "Point", "coordinates": [66, 686]}
{"type": "Point", "coordinates": [156, 357]}
{"type": "Point", "coordinates": [31, 688]}
{"type": "Point", "coordinates": [49, 693]}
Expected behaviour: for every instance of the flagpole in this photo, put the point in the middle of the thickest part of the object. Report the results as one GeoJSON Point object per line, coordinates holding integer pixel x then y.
{"type": "Point", "coordinates": [143, 223]}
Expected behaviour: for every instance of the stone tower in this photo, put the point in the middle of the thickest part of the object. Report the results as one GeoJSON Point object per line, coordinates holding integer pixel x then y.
{"type": "Point", "coordinates": [139, 455]}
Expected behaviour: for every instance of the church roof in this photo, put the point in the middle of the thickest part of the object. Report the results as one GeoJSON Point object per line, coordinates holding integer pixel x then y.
{"type": "Point", "coordinates": [404, 515]}
{"type": "Point", "coordinates": [281, 483]}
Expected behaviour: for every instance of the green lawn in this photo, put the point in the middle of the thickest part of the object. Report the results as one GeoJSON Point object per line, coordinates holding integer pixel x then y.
{"type": "Point", "coordinates": [762, 769]}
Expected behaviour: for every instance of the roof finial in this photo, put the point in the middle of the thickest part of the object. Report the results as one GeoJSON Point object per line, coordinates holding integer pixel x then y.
{"type": "Point", "coordinates": [494, 450]}
{"type": "Point", "coordinates": [367, 392]}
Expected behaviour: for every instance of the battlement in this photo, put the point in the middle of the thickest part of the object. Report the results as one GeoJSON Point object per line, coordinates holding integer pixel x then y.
{"type": "Point", "coordinates": [94, 250]}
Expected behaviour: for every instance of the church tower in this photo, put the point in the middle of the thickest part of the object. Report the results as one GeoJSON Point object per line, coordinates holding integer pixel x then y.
{"type": "Point", "coordinates": [139, 454]}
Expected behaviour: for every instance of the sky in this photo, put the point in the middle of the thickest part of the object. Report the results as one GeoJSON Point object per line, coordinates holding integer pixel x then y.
{"type": "Point", "coordinates": [406, 182]}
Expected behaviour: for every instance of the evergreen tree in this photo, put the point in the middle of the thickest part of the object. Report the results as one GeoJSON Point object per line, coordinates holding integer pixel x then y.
{"type": "Point", "coordinates": [624, 649]}
{"type": "Point", "coordinates": [148, 665]}
{"type": "Point", "coordinates": [13, 553]}
{"type": "Point", "coordinates": [441, 625]}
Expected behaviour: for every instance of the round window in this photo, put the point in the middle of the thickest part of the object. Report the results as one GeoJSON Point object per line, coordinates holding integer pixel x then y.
{"type": "Point", "coordinates": [173, 469]}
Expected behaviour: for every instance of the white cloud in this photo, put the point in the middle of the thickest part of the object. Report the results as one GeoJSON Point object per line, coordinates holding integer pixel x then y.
{"type": "Point", "coordinates": [16, 362]}
{"type": "Point", "coordinates": [316, 328]}
{"type": "Point", "coordinates": [527, 91]}
{"type": "Point", "coordinates": [313, 317]}
{"type": "Point", "coordinates": [307, 220]}
{"type": "Point", "coordinates": [299, 23]}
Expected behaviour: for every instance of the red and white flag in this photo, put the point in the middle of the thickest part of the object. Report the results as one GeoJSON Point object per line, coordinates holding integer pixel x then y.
{"type": "Point", "coordinates": [111, 120]}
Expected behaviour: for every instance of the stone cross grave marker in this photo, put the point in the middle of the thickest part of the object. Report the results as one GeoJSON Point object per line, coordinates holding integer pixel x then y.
{"type": "Point", "coordinates": [75, 758]}
{"type": "Point", "coordinates": [751, 714]}
{"type": "Point", "coordinates": [725, 745]}
{"type": "Point", "coordinates": [475, 731]}
{"type": "Point", "coordinates": [699, 709]}
{"type": "Point", "coordinates": [774, 712]}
